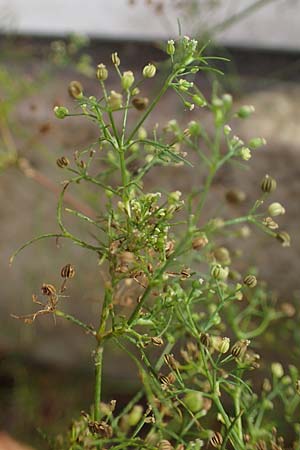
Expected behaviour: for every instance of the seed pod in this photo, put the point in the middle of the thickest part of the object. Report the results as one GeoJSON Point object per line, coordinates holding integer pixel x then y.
{"type": "Point", "coordinates": [298, 387]}
{"type": "Point", "coordinates": [261, 445]}
{"type": "Point", "coordinates": [165, 445]}
{"type": "Point", "coordinates": [170, 47]}
{"type": "Point", "coordinates": [250, 281]}
{"type": "Point", "coordinates": [219, 273]}
{"type": "Point", "coordinates": [149, 71]}
{"type": "Point", "coordinates": [216, 440]}
{"type": "Point", "coordinates": [257, 142]}
{"type": "Point", "coordinates": [199, 242]}
{"type": "Point", "coordinates": [239, 348]}
{"type": "Point", "coordinates": [140, 103]}
{"type": "Point", "coordinates": [62, 162]}
{"type": "Point", "coordinates": [67, 271]}
{"type": "Point", "coordinates": [61, 112]}
{"type": "Point", "coordinates": [276, 209]}
{"type": "Point", "coordinates": [127, 80]}
{"type": "Point", "coordinates": [284, 238]}
{"type": "Point", "coordinates": [205, 339]}
{"type": "Point", "coordinates": [235, 196]}
{"type": "Point", "coordinates": [75, 89]}
{"type": "Point", "coordinates": [222, 255]}
{"type": "Point", "coordinates": [245, 111]}
{"type": "Point", "coordinates": [157, 341]}
{"type": "Point", "coordinates": [48, 289]}
{"type": "Point", "coordinates": [171, 361]}
{"type": "Point", "coordinates": [270, 223]}
{"type": "Point", "coordinates": [164, 380]}
{"type": "Point", "coordinates": [115, 100]}
{"type": "Point", "coordinates": [224, 345]}
{"type": "Point", "coordinates": [115, 59]}
{"type": "Point", "coordinates": [268, 184]}
{"type": "Point", "coordinates": [126, 257]}
{"type": "Point", "coordinates": [193, 400]}
{"type": "Point", "coordinates": [102, 72]}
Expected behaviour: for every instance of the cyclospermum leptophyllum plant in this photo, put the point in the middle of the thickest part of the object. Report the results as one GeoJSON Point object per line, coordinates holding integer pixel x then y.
{"type": "Point", "coordinates": [164, 263]}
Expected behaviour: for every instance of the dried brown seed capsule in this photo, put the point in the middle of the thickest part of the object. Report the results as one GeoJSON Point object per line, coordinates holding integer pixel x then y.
{"type": "Point", "coordinates": [164, 379]}
{"type": "Point", "coordinates": [235, 196]}
{"type": "Point", "coordinates": [165, 445]}
{"type": "Point", "coordinates": [140, 103]}
{"type": "Point", "coordinates": [268, 184]}
{"type": "Point", "coordinates": [67, 271]}
{"type": "Point", "coordinates": [101, 428]}
{"type": "Point", "coordinates": [62, 162]}
{"type": "Point", "coordinates": [216, 440]}
{"type": "Point", "coordinates": [205, 339]}
{"type": "Point", "coordinates": [48, 289]}
{"type": "Point", "coordinates": [261, 445]}
{"type": "Point", "coordinates": [157, 341]}
{"type": "Point", "coordinates": [288, 309]}
{"type": "Point", "coordinates": [246, 438]}
{"type": "Point", "coordinates": [199, 242]}
{"type": "Point", "coordinates": [284, 238]}
{"type": "Point", "coordinates": [222, 255]}
{"type": "Point", "coordinates": [250, 281]}
{"type": "Point", "coordinates": [75, 89]}
{"type": "Point", "coordinates": [270, 223]}
{"type": "Point", "coordinates": [239, 348]}
{"type": "Point", "coordinates": [126, 257]}
{"type": "Point", "coordinates": [171, 361]}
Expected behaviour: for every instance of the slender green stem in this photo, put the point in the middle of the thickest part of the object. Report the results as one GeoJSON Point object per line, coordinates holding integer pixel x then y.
{"type": "Point", "coordinates": [98, 381]}
{"type": "Point", "coordinates": [76, 321]}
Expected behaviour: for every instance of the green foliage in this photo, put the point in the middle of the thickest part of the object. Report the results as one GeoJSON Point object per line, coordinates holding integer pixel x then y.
{"type": "Point", "coordinates": [169, 266]}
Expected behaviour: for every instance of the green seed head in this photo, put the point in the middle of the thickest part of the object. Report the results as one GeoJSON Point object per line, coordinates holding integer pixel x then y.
{"type": "Point", "coordinates": [102, 72]}
{"type": "Point", "coordinates": [268, 184]}
{"type": "Point", "coordinates": [149, 71]}
{"type": "Point", "coordinates": [127, 80]}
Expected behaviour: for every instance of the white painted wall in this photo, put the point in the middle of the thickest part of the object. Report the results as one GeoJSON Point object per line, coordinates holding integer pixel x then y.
{"type": "Point", "coordinates": [274, 25]}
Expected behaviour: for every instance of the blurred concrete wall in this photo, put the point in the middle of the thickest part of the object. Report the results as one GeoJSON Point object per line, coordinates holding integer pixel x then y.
{"type": "Point", "coordinates": [250, 23]}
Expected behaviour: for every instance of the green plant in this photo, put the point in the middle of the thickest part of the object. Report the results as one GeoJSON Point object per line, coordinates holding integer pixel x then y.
{"type": "Point", "coordinates": [166, 262]}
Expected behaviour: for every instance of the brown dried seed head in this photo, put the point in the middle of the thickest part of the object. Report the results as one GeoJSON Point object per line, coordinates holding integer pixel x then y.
{"type": "Point", "coordinates": [270, 223]}
{"type": "Point", "coordinates": [216, 440]}
{"type": "Point", "coordinates": [62, 162]}
{"type": "Point", "coordinates": [288, 309]}
{"type": "Point", "coordinates": [140, 103]}
{"type": "Point", "coordinates": [261, 445]}
{"type": "Point", "coordinates": [126, 257]}
{"type": "Point", "coordinates": [165, 445]}
{"type": "Point", "coordinates": [171, 361]}
{"type": "Point", "coordinates": [239, 348]}
{"type": "Point", "coordinates": [67, 271]}
{"type": "Point", "coordinates": [250, 281]}
{"type": "Point", "coordinates": [284, 238]}
{"type": "Point", "coordinates": [205, 339]}
{"type": "Point", "coordinates": [101, 428]}
{"type": "Point", "coordinates": [199, 242]}
{"type": "Point", "coordinates": [235, 196]}
{"type": "Point", "coordinates": [75, 89]}
{"type": "Point", "coordinates": [48, 289]}
{"type": "Point", "coordinates": [157, 341]}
